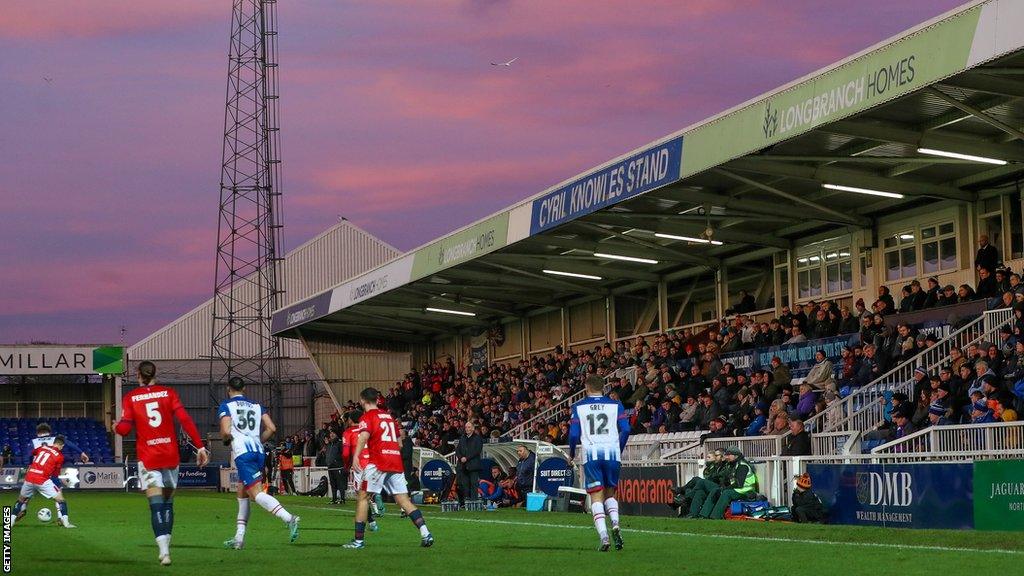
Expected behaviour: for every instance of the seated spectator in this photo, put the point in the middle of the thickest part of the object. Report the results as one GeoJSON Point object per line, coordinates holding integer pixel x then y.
{"type": "Point", "coordinates": [965, 294]}
{"type": "Point", "coordinates": [806, 506]}
{"type": "Point", "coordinates": [948, 297]}
{"type": "Point", "coordinates": [798, 443]}
{"type": "Point", "coordinates": [822, 375]}
{"type": "Point", "coordinates": [885, 304]}
{"type": "Point", "coordinates": [987, 287]}
{"type": "Point", "coordinates": [981, 413]}
{"type": "Point", "coordinates": [797, 336]}
{"type": "Point", "coordinates": [847, 321]}
{"type": "Point", "coordinates": [931, 299]}
{"type": "Point", "coordinates": [760, 421]}
{"type": "Point", "coordinates": [937, 415]}
{"type": "Point", "coordinates": [805, 404]}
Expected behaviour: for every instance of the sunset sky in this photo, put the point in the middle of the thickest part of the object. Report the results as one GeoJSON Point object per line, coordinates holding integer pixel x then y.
{"type": "Point", "coordinates": [391, 116]}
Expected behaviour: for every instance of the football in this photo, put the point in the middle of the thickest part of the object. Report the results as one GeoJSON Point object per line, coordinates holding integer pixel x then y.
{"type": "Point", "coordinates": [44, 515]}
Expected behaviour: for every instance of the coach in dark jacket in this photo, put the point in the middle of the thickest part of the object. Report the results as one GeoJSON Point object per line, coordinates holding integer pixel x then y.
{"type": "Point", "coordinates": [471, 445]}
{"type": "Point", "coordinates": [332, 453]}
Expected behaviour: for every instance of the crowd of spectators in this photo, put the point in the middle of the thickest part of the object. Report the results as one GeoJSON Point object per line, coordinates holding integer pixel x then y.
{"type": "Point", "coordinates": [678, 381]}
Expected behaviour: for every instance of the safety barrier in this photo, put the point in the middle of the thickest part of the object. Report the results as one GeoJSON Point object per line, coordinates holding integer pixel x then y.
{"type": "Point", "coordinates": [997, 439]}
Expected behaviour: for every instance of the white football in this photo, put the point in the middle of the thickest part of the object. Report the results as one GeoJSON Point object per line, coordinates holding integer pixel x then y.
{"type": "Point", "coordinates": [44, 515]}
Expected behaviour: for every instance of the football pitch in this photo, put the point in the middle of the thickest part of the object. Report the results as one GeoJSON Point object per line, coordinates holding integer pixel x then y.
{"type": "Point", "coordinates": [114, 537]}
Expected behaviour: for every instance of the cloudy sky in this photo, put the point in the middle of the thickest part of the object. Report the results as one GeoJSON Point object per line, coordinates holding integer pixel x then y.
{"type": "Point", "coordinates": [391, 116]}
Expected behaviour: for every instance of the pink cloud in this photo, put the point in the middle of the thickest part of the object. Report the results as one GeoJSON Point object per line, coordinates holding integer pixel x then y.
{"type": "Point", "coordinates": [56, 19]}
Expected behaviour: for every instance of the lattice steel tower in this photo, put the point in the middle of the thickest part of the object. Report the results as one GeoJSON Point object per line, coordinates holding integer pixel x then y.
{"type": "Point", "coordinates": [248, 285]}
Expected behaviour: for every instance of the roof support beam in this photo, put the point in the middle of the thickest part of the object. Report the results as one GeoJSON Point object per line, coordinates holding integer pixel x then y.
{"type": "Point", "coordinates": [694, 230]}
{"type": "Point", "coordinates": [698, 197]}
{"type": "Point", "coordinates": [624, 271]}
{"type": "Point", "coordinates": [548, 279]}
{"type": "Point", "coordinates": [487, 294]}
{"type": "Point", "coordinates": [706, 261]}
{"type": "Point", "coordinates": [794, 198]}
{"type": "Point", "coordinates": [854, 178]}
{"type": "Point", "coordinates": [602, 246]}
{"type": "Point", "coordinates": [980, 82]}
{"type": "Point", "coordinates": [976, 112]}
{"type": "Point", "coordinates": [889, 132]}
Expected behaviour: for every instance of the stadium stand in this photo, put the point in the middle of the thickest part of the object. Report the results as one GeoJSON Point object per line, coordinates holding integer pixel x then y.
{"type": "Point", "coordinates": [87, 434]}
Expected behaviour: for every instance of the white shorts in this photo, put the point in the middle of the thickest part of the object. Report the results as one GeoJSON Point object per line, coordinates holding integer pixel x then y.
{"type": "Point", "coordinates": [159, 478]}
{"type": "Point", "coordinates": [373, 481]}
{"type": "Point", "coordinates": [28, 489]}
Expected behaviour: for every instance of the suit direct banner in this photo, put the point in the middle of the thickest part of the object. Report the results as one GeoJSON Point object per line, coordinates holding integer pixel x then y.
{"type": "Point", "coordinates": [999, 495]}
{"type": "Point", "coordinates": [896, 495]}
{"type": "Point", "coordinates": [646, 490]}
{"type": "Point", "coordinates": [553, 473]}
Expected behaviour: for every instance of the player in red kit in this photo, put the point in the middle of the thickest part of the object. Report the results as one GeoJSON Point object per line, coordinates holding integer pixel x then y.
{"type": "Point", "coordinates": [378, 436]}
{"type": "Point", "coordinates": [151, 410]}
{"type": "Point", "coordinates": [46, 463]}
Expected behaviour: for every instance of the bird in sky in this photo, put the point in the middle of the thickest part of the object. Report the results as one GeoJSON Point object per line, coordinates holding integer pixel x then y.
{"type": "Point", "coordinates": [48, 79]}
{"type": "Point", "coordinates": [509, 63]}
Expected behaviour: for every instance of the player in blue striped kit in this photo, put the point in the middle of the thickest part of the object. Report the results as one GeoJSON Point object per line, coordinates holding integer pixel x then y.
{"type": "Point", "coordinates": [601, 425]}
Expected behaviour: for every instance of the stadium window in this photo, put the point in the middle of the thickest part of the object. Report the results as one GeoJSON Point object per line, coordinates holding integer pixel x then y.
{"type": "Point", "coordinates": [865, 263]}
{"type": "Point", "coordinates": [838, 270]}
{"type": "Point", "coordinates": [938, 248]}
{"type": "Point", "coordinates": [900, 256]}
{"type": "Point", "coordinates": [808, 275]}
{"type": "Point", "coordinates": [1016, 230]}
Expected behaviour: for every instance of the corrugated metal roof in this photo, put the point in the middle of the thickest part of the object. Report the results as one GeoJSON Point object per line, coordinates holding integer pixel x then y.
{"type": "Point", "coordinates": [341, 252]}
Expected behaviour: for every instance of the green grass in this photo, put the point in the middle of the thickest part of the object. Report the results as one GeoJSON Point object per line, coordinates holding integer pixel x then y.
{"type": "Point", "coordinates": [114, 538]}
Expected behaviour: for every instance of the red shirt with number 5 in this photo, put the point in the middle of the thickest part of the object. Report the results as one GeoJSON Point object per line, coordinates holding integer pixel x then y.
{"type": "Point", "coordinates": [385, 452]}
{"type": "Point", "coordinates": [151, 410]}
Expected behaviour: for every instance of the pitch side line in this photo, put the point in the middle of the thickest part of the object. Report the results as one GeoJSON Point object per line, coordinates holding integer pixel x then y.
{"type": "Point", "coordinates": [712, 536]}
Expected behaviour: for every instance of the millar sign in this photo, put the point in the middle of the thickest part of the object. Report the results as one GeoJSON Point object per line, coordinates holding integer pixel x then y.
{"type": "Point", "coordinates": [49, 360]}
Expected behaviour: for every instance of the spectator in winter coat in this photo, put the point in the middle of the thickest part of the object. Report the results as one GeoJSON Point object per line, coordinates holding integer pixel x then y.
{"type": "Point", "coordinates": [797, 336]}
{"type": "Point", "coordinates": [987, 287]}
{"type": "Point", "coordinates": [918, 297]}
{"type": "Point", "coordinates": [807, 507]}
{"type": "Point", "coordinates": [822, 375]}
{"type": "Point", "coordinates": [937, 415]}
{"type": "Point", "coordinates": [805, 405]}
{"type": "Point", "coordinates": [798, 443]}
{"type": "Point", "coordinates": [888, 305]}
{"type": "Point", "coordinates": [931, 299]}
{"type": "Point", "coordinates": [780, 373]}
{"type": "Point", "coordinates": [981, 413]}
{"type": "Point", "coordinates": [948, 296]}
{"type": "Point", "coordinates": [987, 255]}
{"type": "Point", "coordinates": [847, 322]}
{"type": "Point", "coordinates": [757, 425]}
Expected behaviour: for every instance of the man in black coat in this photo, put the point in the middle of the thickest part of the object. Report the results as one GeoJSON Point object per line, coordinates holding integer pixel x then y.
{"type": "Point", "coordinates": [807, 507]}
{"type": "Point", "coordinates": [406, 449]}
{"type": "Point", "coordinates": [798, 443]}
{"type": "Point", "coordinates": [471, 445]}
{"type": "Point", "coordinates": [333, 459]}
{"type": "Point", "coordinates": [987, 256]}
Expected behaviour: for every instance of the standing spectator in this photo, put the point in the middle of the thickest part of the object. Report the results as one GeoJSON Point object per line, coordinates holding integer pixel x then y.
{"type": "Point", "coordinates": [885, 304]}
{"type": "Point", "coordinates": [6, 456]}
{"type": "Point", "coordinates": [524, 471]}
{"type": "Point", "coordinates": [987, 287]}
{"type": "Point", "coordinates": [932, 295]}
{"type": "Point", "coordinates": [332, 455]}
{"type": "Point", "coordinates": [471, 445]}
{"type": "Point", "coordinates": [746, 303]}
{"type": "Point", "coordinates": [406, 449]}
{"type": "Point", "coordinates": [286, 465]}
{"type": "Point", "coordinates": [987, 256]}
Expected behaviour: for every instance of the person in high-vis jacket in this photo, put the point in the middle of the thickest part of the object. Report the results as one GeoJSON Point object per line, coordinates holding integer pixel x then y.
{"type": "Point", "coordinates": [698, 486]}
{"type": "Point", "coordinates": [741, 485]}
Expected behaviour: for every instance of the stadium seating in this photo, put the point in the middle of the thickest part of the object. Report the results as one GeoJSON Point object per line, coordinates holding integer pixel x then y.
{"type": "Point", "coordinates": [87, 434]}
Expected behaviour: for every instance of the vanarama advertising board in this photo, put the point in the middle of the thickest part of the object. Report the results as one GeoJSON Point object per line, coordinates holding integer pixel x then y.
{"type": "Point", "coordinates": [646, 490]}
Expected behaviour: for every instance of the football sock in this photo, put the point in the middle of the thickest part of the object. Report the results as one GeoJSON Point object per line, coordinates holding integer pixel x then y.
{"type": "Point", "coordinates": [597, 509]}
{"type": "Point", "coordinates": [360, 531]}
{"type": "Point", "coordinates": [243, 519]}
{"type": "Point", "coordinates": [611, 505]}
{"type": "Point", "coordinates": [417, 519]}
{"type": "Point", "coordinates": [163, 542]}
{"type": "Point", "coordinates": [62, 510]}
{"type": "Point", "coordinates": [168, 509]}
{"type": "Point", "coordinates": [18, 507]}
{"type": "Point", "coordinates": [270, 504]}
{"type": "Point", "coordinates": [156, 517]}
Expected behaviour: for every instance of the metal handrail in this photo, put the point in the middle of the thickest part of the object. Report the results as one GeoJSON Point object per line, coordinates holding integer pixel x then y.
{"type": "Point", "coordinates": [857, 411]}
{"type": "Point", "coordinates": [995, 437]}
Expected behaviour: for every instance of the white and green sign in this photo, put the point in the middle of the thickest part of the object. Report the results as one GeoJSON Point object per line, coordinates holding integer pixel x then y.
{"type": "Point", "coordinates": [48, 360]}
